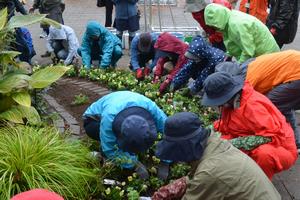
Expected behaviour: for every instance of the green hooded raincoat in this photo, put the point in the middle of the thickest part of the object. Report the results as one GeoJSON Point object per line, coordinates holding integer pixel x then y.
{"type": "Point", "coordinates": [244, 35]}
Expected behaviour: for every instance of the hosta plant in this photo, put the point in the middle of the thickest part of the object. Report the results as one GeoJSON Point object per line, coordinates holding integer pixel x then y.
{"type": "Point", "coordinates": [15, 83]}
{"type": "Point", "coordinates": [41, 158]}
{"type": "Point", "coordinates": [15, 87]}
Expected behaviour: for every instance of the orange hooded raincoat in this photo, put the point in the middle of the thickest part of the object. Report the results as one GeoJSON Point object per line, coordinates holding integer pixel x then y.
{"type": "Point", "coordinates": [268, 71]}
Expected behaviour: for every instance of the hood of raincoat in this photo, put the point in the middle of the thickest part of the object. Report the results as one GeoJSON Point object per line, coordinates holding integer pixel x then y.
{"type": "Point", "coordinates": [93, 28]}
{"type": "Point", "coordinates": [58, 33]}
{"type": "Point", "coordinates": [200, 48]}
{"type": "Point", "coordinates": [170, 43]}
{"type": "Point", "coordinates": [217, 16]}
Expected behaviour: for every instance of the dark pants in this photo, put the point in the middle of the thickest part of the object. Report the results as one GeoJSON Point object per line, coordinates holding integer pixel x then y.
{"type": "Point", "coordinates": [286, 97]}
{"type": "Point", "coordinates": [108, 12]}
{"type": "Point", "coordinates": [95, 52]}
{"type": "Point", "coordinates": [59, 50]}
{"type": "Point", "coordinates": [92, 127]}
{"type": "Point", "coordinates": [143, 59]}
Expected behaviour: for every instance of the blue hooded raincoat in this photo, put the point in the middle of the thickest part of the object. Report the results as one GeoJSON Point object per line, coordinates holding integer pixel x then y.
{"type": "Point", "coordinates": [199, 71]}
{"type": "Point", "coordinates": [110, 45]}
{"type": "Point", "coordinates": [108, 107]}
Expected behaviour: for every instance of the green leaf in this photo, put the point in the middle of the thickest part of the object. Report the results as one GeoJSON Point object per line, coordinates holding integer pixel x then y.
{"type": "Point", "coordinates": [3, 18]}
{"type": "Point", "coordinates": [13, 81]}
{"type": "Point", "coordinates": [51, 22]}
{"type": "Point", "coordinates": [46, 76]}
{"type": "Point", "coordinates": [24, 20]}
{"type": "Point", "coordinates": [22, 98]}
{"type": "Point", "coordinates": [18, 113]}
{"type": "Point", "coordinates": [5, 102]}
{"type": "Point", "coordinates": [11, 54]}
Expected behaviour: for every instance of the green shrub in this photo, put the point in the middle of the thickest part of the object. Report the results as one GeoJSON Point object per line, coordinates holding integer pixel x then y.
{"type": "Point", "coordinates": [41, 158]}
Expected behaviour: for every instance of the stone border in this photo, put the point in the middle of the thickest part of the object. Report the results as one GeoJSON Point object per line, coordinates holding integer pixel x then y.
{"type": "Point", "coordinates": [65, 118]}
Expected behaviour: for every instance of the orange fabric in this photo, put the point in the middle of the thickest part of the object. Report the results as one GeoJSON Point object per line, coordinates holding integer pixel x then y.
{"type": "Point", "coordinates": [37, 194]}
{"type": "Point", "coordinates": [270, 70]}
{"type": "Point", "coordinates": [258, 116]}
{"type": "Point", "coordinates": [264, 157]}
{"type": "Point", "coordinates": [258, 9]}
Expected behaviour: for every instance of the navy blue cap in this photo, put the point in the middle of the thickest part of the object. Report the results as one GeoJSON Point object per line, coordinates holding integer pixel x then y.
{"type": "Point", "coordinates": [184, 138]}
{"type": "Point", "coordinates": [220, 87]}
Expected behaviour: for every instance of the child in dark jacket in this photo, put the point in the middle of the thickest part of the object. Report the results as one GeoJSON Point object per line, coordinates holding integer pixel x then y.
{"type": "Point", "coordinates": [202, 59]}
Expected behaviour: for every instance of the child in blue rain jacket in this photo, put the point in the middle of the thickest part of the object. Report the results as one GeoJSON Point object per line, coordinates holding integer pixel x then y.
{"type": "Point", "coordinates": [125, 123]}
{"type": "Point", "coordinates": [202, 59]}
{"type": "Point", "coordinates": [98, 43]}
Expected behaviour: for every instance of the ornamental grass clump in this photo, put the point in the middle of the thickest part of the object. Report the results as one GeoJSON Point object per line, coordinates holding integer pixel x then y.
{"type": "Point", "coordinates": [41, 158]}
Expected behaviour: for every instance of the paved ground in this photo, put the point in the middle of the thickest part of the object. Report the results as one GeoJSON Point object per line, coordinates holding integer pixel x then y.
{"type": "Point", "coordinates": [79, 12]}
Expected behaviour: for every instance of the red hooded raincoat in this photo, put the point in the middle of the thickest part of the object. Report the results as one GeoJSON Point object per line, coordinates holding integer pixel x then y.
{"type": "Point", "coordinates": [258, 116]}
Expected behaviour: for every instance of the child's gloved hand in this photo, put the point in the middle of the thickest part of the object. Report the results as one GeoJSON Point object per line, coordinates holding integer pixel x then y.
{"type": "Point", "coordinates": [139, 74]}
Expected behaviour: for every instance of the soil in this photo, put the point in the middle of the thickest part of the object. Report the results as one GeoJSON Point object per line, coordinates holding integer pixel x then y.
{"type": "Point", "coordinates": [64, 95]}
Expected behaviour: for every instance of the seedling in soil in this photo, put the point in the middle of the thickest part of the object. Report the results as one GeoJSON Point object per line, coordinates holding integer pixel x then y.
{"type": "Point", "coordinates": [80, 99]}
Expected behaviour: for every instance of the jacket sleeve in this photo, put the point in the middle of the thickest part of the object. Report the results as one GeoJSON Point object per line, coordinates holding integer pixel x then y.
{"type": "Point", "coordinates": [134, 53]}
{"type": "Point", "coordinates": [86, 51]}
{"type": "Point", "coordinates": [198, 83]}
{"type": "Point", "coordinates": [218, 127]}
{"type": "Point", "coordinates": [107, 49]}
{"type": "Point", "coordinates": [205, 186]}
{"type": "Point", "coordinates": [183, 75]}
{"type": "Point", "coordinates": [232, 49]}
{"type": "Point", "coordinates": [180, 63]}
{"type": "Point", "coordinates": [73, 45]}
{"type": "Point", "coordinates": [262, 119]}
{"type": "Point", "coordinates": [110, 147]}
{"type": "Point", "coordinates": [247, 43]}
{"type": "Point", "coordinates": [286, 10]}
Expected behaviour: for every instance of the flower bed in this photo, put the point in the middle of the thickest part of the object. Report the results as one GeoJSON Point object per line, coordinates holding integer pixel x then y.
{"type": "Point", "coordinates": [124, 184]}
{"type": "Point", "coordinates": [170, 103]}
